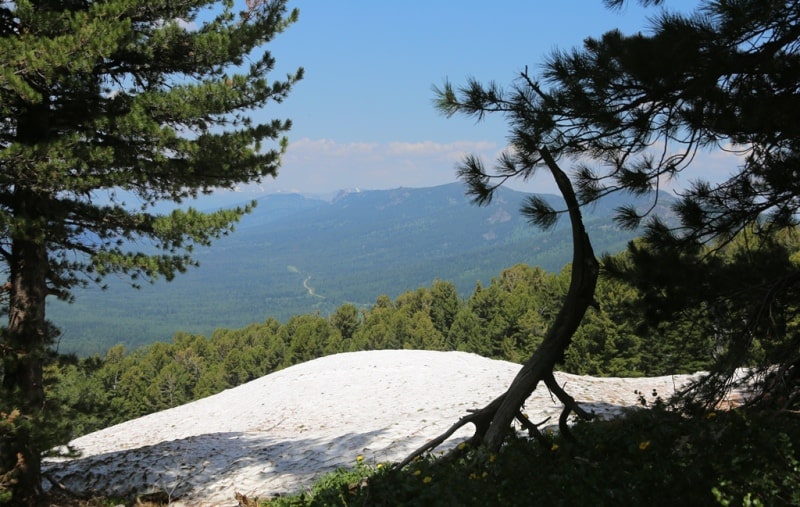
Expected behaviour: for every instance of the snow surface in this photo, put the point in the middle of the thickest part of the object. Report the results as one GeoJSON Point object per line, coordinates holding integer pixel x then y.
{"type": "Point", "coordinates": [277, 434]}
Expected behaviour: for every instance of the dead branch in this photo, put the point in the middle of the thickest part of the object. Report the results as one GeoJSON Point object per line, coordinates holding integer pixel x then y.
{"type": "Point", "coordinates": [533, 429]}
{"type": "Point", "coordinates": [480, 418]}
{"type": "Point", "coordinates": [570, 405]}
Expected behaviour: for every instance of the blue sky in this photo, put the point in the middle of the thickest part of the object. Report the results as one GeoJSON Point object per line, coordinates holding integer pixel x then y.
{"type": "Point", "coordinates": [363, 116]}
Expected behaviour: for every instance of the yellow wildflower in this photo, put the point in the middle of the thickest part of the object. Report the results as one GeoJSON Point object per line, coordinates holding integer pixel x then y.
{"type": "Point", "coordinates": [427, 479]}
{"type": "Point", "coordinates": [492, 457]}
{"type": "Point", "coordinates": [644, 445]}
{"type": "Point", "coordinates": [711, 415]}
{"type": "Point", "coordinates": [359, 458]}
{"type": "Point", "coordinates": [417, 472]}
{"type": "Point", "coordinates": [554, 447]}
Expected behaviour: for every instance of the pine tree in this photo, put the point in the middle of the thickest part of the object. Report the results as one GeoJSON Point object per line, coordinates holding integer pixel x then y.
{"type": "Point", "coordinates": [444, 305]}
{"type": "Point", "coordinates": [626, 112]}
{"type": "Point", "coordinates": [109, 108]}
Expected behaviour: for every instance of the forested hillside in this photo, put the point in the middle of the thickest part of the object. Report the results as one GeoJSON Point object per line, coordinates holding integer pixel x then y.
{"type": "Point", "coordinates": [295, 255]}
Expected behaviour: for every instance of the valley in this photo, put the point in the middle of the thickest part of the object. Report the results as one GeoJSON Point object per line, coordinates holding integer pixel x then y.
{"type": "Point", "coordinates": [296, 255]}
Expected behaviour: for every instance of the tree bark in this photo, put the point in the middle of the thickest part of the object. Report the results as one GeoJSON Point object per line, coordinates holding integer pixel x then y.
{"type": "Point", "coordinates": [24, 348]}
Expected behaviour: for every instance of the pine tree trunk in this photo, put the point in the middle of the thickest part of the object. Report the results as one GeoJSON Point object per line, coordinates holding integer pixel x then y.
{"type": "Point", "coordinates": [26, 339]}
{"type": "Point", "coordinates": [25, 345]}
{"type": "Point", "coordinates": [580, 296]}
{"type": "Point", "coordinates": [493, 422]}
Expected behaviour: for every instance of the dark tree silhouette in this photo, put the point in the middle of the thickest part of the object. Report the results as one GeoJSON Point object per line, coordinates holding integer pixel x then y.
{"type": "Point", "coordinates": [625, 113]}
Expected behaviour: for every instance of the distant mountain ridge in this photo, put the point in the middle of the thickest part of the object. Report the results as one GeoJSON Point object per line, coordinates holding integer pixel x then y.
{"type": "Point", "coordinates": [295, 255]}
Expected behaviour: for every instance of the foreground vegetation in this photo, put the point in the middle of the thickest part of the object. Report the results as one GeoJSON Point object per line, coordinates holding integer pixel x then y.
{"type": "Point", "coordinates": [650, 457]}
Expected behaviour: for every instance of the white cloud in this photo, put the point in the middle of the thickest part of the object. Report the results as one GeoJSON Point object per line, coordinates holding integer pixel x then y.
{"type": "Point", "coordinates": [325, 165]}
{"type": "Point", "coordinates": [310, 148]}
{"type": "Point", "coordinates": [432, 148]}
{"type": "Point", "coordinates": [321, 165]}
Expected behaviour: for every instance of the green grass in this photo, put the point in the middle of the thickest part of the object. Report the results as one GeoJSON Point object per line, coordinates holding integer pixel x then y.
{"type": "Point", "coordinates": [650, 457]}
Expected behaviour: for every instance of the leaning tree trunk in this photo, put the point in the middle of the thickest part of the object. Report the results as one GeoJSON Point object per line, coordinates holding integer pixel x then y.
{"type": "Point", "coordinates": [24, 347]}
{"type": "Point", "coordinates": [579, 297]}
{"type": "Point", "coordinates": [492, 422]}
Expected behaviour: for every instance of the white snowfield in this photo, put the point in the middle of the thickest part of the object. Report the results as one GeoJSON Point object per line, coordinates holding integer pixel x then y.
{"type": "Point", "coordinates": [277, 434]}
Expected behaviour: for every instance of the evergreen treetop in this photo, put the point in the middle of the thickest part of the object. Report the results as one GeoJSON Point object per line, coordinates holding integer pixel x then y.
{"type": "Point", "coordinates": [111, 107]}
{"type": "Point", "coordinates": [108, 108]}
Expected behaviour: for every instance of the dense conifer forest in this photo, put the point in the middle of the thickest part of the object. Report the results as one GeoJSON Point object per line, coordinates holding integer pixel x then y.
{"type": "Point", "coordinates": [294, 255]}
